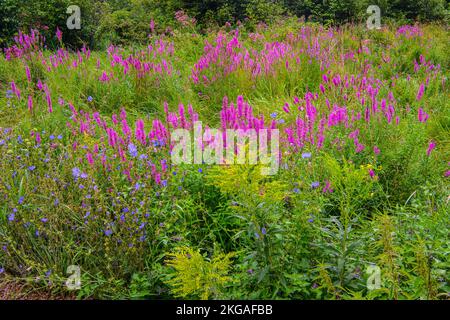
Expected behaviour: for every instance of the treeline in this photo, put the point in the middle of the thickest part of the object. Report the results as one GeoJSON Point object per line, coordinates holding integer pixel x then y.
{"type": "Point", "coordinates": [128, 21]}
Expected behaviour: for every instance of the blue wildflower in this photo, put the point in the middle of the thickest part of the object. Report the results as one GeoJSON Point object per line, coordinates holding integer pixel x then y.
{"type": "Point", "coordinates": [108, 232]}
{"type": "Point", "coordinates": [132, 150]}
{"type": "Point", "coordinates": [264, 231]}
{"type": "Point", "coordinates": [273, 115]}
{"type": "Point", "coordinates": [315, 184]}
{"type": "Point", "coordinates": [60, 137]}
{"type": "Point", "coordinates": [11, 217]}
{"type": "Point", "coordinates": [31, 168]}
{"type": "Point", "coordinates": [52, 137]}
{"type": "Point", "coordinates": [306, 155]}
{"type": "Point", "coordinates": [21, 200]}
{"type": "Point", "coordinates": [90, 98]}
{"type": "Point", "coordinates": [76, 173]}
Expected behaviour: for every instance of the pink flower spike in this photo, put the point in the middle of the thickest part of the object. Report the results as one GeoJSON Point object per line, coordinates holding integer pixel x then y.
{"type": "Point", "coordinates": [90, 159]}
{"type": "Point", "coordinates": [431, 146]}
{"type": "Point", "coordinates": [30, 103]}
{"type": "Point", "coordinates": [27, 70]}
{"type": "Point", "coordinates": [420, 92]}
{"type": "Point", "coordinates": [327, 187]}
{"type": "Point", "coordinates": [152, 25]}
{"type": "Point", "coordinates": [422, 115]}
{"type": "Point", "coordinates": [58, 34]}
{"type": "Point", "coordinates": [376, 150]}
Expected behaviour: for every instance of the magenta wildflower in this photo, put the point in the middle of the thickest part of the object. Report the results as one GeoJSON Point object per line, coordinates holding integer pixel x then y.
{"type": "Point", "coordinates": [89, 158]}
{"type": "Point", "coordinates": [376, 150]}
{"type": "Point", "coordinates": [58, 34]}
{"type": "Point", "coordinates": [420, 92]}
{"type": "Point", "coordinates": [27, 70]}
{"type": "Point", "coordinates": [422, 115]}
{"type": "Point", "coordinates": [48, 98]}
{"type": "Point", "coordinates": [152, 26]}
{"type": "Point", "coordinates": [30, 103]}
{"type": "Point", "coordinates": [431, 146]}
{"type": "Point", "coordinates": [38, 138]}
{"type": "Point", "coordinates": [322, 88]}
{"type": "Point", "coordinates": [327, 187]}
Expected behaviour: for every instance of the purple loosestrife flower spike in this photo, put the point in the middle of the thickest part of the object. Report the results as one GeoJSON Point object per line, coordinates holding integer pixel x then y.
{"type": "Point", "coordinates": [420, 92]}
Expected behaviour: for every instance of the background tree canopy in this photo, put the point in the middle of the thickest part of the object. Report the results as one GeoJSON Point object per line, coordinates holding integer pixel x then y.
{"type": "Point", "coordinates": [127, 21]}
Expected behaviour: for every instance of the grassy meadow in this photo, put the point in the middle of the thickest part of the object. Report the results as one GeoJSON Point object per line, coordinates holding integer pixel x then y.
{"type": "Point", "coordinates": [362, 190]}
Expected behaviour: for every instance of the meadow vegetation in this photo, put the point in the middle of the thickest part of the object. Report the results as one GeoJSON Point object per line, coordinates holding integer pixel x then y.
{"type": "Point", "coordinates": [86, 176]}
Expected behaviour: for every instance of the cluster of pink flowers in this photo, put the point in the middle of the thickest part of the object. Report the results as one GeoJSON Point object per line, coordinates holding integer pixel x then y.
{"type": "Point", "coordinates": [25, 44]}
{"type": "Point", "coordinates": [409, 31]}
{"type": "Point", "coordinates": [151, 62]}
{"type": "Point", "coordinates": [184, 19]}
{"type": "Point", "coordinates": [227, 56]}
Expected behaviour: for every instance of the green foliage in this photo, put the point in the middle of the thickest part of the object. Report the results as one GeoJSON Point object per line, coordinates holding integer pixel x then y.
{"type": "Point", "coordinates": [293, 235]}
{"type": "Point", "coordinates": [196, 276]}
